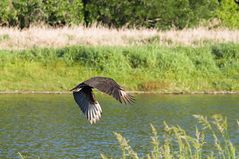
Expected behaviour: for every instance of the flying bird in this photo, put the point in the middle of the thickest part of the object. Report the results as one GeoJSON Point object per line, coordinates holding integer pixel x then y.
{"type": "Point", "coordinates": [85, 97]}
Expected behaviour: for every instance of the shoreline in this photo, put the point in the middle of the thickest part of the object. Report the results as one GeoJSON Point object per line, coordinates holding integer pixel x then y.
{"type": "Point", "coordinates": [133, 92]}
{"type": "Point", "coordinates": [152, 69]}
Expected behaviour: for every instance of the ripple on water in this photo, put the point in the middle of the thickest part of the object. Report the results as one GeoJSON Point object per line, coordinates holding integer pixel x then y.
{"type": "Point", "coordinates": [52, 126]}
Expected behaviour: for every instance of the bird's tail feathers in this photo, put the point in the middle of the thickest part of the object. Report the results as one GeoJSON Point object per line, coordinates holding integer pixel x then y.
{"type": "Point", "coordinates": [93, 113]}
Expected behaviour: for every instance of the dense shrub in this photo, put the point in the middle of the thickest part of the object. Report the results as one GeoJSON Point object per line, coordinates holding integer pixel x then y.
{"type": "Point", "coordinates": [61, 12]}
{"type": "Point", "coordinates": [228, 13]}
{"type": "Point", "coordinates": [161, 14]}
{"type": "Point", "coordinates": [22, 13]}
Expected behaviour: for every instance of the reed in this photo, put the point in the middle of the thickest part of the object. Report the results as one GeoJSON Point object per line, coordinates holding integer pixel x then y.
{"type": "Point", "coordinates": [176, 143]}
{"type": "Point", "coordinates": [20, 155]}
{"type": "Point", "coordinates": [43, 36]}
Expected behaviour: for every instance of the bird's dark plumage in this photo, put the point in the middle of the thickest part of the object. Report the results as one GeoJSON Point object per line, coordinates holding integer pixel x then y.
{"type": "Point", "coordinates": [84, 96]}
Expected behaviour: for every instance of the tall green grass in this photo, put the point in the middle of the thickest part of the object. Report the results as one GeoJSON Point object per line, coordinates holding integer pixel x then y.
{"type": "Point", "coordinates": [213, 67]}
{"type": "Point", "coordinates": [176, 143]}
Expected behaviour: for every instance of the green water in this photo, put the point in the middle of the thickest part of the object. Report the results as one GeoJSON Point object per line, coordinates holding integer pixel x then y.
{"type": "Point", "coordinates": [52, 126]}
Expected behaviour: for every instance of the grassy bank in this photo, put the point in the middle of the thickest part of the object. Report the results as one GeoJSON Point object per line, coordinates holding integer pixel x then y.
{"type": "Point", "coordinates": [151, 67]}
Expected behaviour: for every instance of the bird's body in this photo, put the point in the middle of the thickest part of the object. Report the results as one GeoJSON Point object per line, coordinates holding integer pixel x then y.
{"type": "Point", "coordinates": [84, 96]}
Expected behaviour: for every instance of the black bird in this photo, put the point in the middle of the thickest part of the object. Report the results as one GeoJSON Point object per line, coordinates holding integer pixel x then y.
{"type": "Point", "coordinates": [85, 98]}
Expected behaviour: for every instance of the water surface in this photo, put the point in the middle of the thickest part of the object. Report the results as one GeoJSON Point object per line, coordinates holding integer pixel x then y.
{"type": "Point", "coordinates": [52, 126]}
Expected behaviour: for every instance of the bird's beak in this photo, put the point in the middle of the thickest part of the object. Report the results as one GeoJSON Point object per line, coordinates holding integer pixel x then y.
{"type": "Point", "coordinates": [75, 89]}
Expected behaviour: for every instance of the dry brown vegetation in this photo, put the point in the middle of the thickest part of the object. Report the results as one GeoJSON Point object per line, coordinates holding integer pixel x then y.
{"type": "Point", "coordinates": [13, 38]}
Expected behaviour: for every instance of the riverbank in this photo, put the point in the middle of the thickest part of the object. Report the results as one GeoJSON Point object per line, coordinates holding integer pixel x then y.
{"type": "Point", "coordinates": [131, 92]}
{"type": "Point", "coordinates": [147, 68]}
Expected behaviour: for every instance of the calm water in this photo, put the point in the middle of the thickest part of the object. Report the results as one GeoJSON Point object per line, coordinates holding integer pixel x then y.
{"type": "Point", "coordinates": [52, 126]}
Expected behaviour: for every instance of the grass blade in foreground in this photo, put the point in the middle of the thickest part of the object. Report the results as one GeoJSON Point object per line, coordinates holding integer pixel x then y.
{"type": "Point", "coordinates": [176, 143]}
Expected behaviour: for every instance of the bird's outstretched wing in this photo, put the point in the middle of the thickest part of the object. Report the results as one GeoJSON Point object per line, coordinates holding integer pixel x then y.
{"type": "Point", "coordinates": [109, 86]}
{"type": "Point", "coordinates": [88, 105]}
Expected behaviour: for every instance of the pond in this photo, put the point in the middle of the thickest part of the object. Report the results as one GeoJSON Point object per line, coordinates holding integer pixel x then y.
{"type": "Point", "coordinates": [52, 126]}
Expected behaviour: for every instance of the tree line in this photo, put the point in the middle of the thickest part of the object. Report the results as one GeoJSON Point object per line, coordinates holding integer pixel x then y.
{"type": "Point", "coordinates": [160, 14]}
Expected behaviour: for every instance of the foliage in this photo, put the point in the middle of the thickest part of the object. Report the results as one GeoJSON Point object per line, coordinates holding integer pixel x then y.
{"type": "Point", "coordinates": [62, 12]}
{"type": "Point", "coordinates": [160, 14]}
{"type": "Point", "coordinates": [175, 142]}
{"type": "Point", "coordinates": [27, 12]}
{"type": "Point", "coordinates": [228, 13]}
{"type": "Point", "coordinates": [203, 10]}
{"type": "Point", "coordinates": [173, 14]}
{"type": "Point", "coordinates": [23, 13]}
{"type": "Point", "coordinates": [147, 68]}
{"type": "Point", "coordinates": [8, 15]}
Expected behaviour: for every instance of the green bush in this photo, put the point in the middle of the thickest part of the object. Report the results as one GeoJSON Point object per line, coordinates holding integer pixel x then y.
{"type": "Point", "coordinates": [62, 12]}
{"type": "Point", "coordinates": [160, 14]}
{"type": "Point", "coordinates": [203, 10]}
{"type": "Point", "coordinates": [8, 16]}
{"type": "Point", "coordinates": [228, 13]}
{"type": "Point", "coordinates": [151, 14]}
{"type": "Point", "coordinates": [23, 13]}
